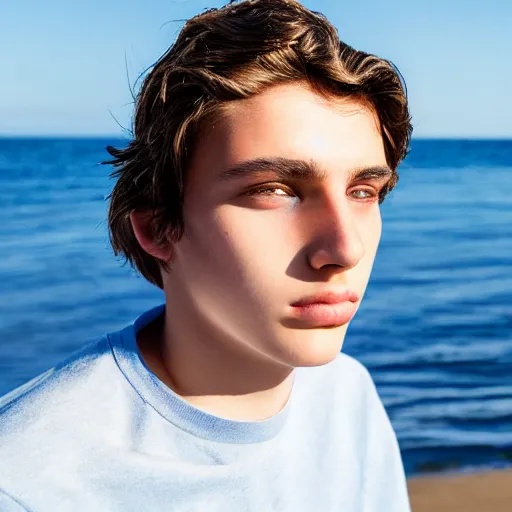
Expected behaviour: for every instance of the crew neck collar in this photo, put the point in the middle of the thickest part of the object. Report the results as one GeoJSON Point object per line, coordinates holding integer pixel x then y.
{"type": "Point", "coordinates": [173, 407]}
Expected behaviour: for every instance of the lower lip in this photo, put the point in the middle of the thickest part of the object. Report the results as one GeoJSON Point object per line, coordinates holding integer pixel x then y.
{"type": "Point", "coordinates": [324, 315]}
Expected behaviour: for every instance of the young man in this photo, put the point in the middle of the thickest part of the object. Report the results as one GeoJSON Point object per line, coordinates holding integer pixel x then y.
{"type": "Point", "coordinates": [250, 194]}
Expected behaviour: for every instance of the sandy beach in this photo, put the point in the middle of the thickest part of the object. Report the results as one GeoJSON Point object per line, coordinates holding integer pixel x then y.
{"type": "Point", "coordinates": [480, 492]}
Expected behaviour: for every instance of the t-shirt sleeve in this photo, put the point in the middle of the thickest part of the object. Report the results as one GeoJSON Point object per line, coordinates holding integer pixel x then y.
{"type": "Point", "coordinates": [385, 485]}
{"type": "Point", "coordinates": [8, 504]}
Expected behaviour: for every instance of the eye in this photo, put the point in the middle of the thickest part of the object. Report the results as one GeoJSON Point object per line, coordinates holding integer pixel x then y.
{"type": "Point", "coordinates": [268, 190]}
{"type": "Point", "coordinates": [364, 194]}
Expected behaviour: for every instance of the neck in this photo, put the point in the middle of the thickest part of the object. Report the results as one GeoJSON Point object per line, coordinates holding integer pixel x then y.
{"type": "Point", "coordinates": [218, 375]}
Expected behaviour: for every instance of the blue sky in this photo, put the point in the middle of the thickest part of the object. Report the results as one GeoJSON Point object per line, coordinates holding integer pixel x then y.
{"type": "Point", "coordinates": [63, 62]}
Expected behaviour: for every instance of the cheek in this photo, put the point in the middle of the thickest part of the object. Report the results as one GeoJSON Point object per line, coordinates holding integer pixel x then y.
{"type": "Point", "coordinates": [230, 244]}
{"type": "Point", "coordinates": [238, 270]}
{"type": "Point", "coordinates": [254, 241]}
{"type": "Point", "coordinates": [370, 230]}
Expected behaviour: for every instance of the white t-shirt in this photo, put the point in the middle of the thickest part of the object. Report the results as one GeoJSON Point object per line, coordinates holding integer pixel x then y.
{"type": "Point", "coordinates": [100, 432]}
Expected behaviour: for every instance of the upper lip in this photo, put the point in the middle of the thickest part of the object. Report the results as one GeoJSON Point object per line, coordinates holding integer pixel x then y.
{"type": "Point", "coordinates": [328, 297]}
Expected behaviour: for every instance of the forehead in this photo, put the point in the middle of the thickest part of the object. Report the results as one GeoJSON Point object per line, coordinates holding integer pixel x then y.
{"type": "Point", "coordinates": [292, 121]}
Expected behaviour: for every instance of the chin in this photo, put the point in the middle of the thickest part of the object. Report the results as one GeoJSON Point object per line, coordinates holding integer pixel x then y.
{"type": "Point", "coordinates": [316, 347]}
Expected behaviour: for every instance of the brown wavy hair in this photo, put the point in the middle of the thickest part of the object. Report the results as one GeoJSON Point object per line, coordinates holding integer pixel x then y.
{"type": "Point", "coordinates": [228, 54]}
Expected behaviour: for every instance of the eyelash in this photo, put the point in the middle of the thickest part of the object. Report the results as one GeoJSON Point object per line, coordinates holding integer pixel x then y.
{"type": "Point", "coordinates": [262, 189]}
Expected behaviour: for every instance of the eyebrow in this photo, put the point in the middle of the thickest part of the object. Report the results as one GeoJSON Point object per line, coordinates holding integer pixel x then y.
{"type": "Point", "coordinates": [288, 169]}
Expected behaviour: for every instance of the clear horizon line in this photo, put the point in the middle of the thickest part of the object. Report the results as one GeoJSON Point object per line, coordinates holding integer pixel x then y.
{"type": "Point", "coordinates": [120, 136]}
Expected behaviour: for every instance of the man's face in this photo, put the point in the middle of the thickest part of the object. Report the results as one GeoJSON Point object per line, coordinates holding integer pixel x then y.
{"type": "Point", "coordinates": [249, 253]}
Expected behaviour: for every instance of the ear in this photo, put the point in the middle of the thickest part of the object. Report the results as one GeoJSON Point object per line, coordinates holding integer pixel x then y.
{"type": "Point", "coordinates": [142, 224]}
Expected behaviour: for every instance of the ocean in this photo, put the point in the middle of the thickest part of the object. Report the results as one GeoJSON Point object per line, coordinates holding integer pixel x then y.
{"type": "Point", "coordinates": [434, 328]}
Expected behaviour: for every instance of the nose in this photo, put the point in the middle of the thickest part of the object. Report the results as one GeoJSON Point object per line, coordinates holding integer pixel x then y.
{"type": "Point", "coordinates": [337, 237]}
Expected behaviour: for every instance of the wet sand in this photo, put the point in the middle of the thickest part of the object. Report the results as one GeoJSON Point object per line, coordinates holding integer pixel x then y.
{"type": "Point", "coordinates": [480, 492]}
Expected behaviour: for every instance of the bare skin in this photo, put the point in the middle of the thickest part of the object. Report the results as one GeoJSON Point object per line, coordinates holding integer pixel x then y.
{"type": "Point", "coordinates": [230, 340]}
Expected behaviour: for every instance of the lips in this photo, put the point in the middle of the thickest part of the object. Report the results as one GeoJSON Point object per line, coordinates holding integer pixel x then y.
{"type": "Point", "coordinates": [328, 297]}
{"type": "Point", "coordinates": [329, 308]}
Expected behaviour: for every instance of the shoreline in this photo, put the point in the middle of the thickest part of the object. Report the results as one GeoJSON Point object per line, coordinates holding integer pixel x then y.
{"type": "Point", "coordinates": [488, 490]}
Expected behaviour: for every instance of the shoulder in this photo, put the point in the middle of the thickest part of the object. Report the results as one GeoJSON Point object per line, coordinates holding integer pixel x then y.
{"type": "Point", "coordinates": [351, 367]}
{"type": "Point", "coordinates": [65, 375]}
{"type": "Point", "coordinates": [9, 504]}
{"type": "Point", "coordinates": [373, 437]}
{"type": "Point", "coordinates": [352, 371]}
{"type": "Point", "coordinates": [356, 380]}
{"type": "Point", "coordinates": [37, 413]}
{"type": "Point", "coordinates": [50, 422]}
{"type": "Point", "coordinates": [345, 388]}
{"type": "Point", "coordinates": [344, 374]}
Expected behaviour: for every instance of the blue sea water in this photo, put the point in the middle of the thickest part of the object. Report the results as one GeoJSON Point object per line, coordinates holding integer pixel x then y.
{"type": "Point", "coordinates": [434, 328]}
